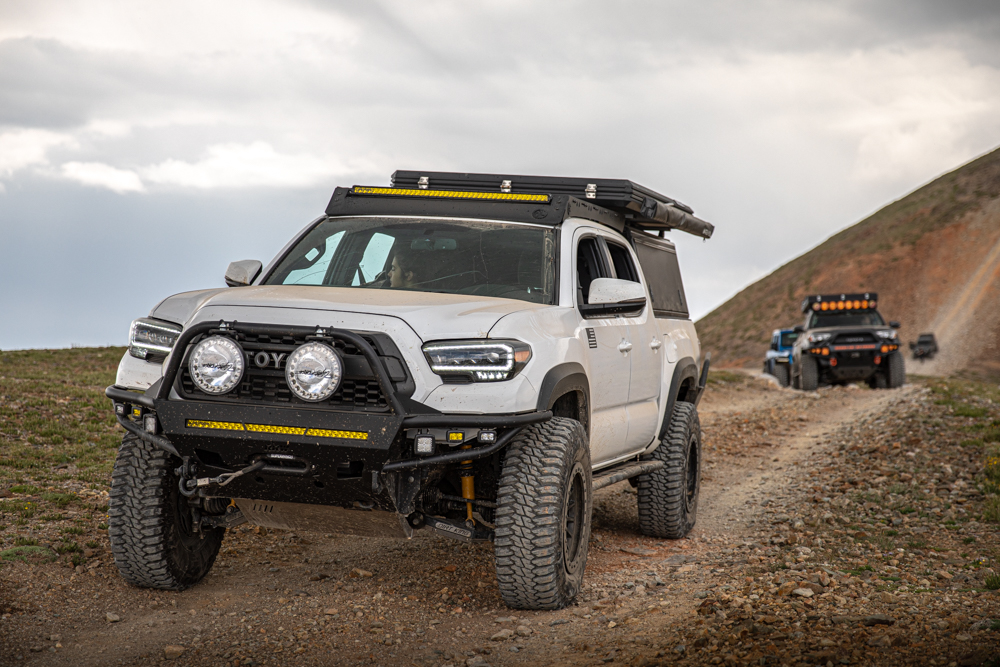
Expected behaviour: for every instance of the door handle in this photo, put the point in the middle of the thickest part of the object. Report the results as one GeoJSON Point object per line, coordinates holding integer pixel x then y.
{"type": "Point", "coordinates": [655, 344]}
{"type": "Point", "coordinates": [624, 346]}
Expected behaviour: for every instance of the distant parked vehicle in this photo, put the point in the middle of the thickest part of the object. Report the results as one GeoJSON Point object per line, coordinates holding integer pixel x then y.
{"type": "Point", "coordinates": [925, 347]}
{"type": "Point", "coordinates": [778, 358]}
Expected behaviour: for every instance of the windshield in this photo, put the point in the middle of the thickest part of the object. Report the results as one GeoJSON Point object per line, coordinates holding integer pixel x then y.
{"type": "Point", "coordinates": [788, 339]}
{"type": "Point", "coordinates": [508, 260]}
{"type": "Point", "coordinates": [867, 318]}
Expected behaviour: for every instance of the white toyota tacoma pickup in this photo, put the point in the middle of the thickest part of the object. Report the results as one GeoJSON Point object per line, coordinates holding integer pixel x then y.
{"type": "Point", "coordinates": [467, 355]}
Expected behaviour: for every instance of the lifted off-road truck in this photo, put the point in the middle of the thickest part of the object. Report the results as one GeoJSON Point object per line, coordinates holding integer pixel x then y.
{"type": "Point", "coordinates": [466, 355]}
{"type": "Point", "coordinates": [844, 339]}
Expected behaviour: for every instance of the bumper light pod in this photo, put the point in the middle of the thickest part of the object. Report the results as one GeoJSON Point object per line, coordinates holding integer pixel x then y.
{"type": "Point", "coordinates": [313, 372]}
{"type": "Point", "coordinates": [216, 365]}
{"type": "Point", "coordinates": [423, 445]}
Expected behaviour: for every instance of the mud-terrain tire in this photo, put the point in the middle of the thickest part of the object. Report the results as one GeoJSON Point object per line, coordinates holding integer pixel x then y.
{"type": "Point", "coordinates": [808, 374]}
{"type": "Point", "coordinates": [878, 381]}
{"type": "Point", "coordinates": [149, 523]}
{"type": "Point", "coordinates": [781, 372]}
{"type": "Point", "coordinates": [896, 371]}
{"type": "Point", "coordinates": [668, 497]}
{"type": "Point", "coordinates": [544, 504]}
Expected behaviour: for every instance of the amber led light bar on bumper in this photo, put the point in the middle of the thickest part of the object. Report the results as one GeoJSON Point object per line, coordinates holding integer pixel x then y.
{"type": "Point", "coordinates": [279, 430]}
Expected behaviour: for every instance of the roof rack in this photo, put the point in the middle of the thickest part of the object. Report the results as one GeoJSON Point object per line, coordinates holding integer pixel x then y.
{"type": "Point", "coordinates": [636, 205]}
{"type": "Point", "coordinates": [823, 302]}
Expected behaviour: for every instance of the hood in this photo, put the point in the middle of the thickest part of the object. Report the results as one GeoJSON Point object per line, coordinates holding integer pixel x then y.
{"type": "Point", "coordinates": [430, 315]}
{"type": "Point", "coordinates": [179, 307]}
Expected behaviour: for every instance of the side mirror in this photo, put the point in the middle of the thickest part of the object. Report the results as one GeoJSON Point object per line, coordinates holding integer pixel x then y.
{"type": "Point", "coordinates": [774, 346]}
{"type": "Point", "coordinates": [610, 296]}
{"type": "Point", "coordinates": [242, 272]}
{"type": "Point", "coordinates": [799, 329]}
{"type": "Point", "coordinates": [895, 325]}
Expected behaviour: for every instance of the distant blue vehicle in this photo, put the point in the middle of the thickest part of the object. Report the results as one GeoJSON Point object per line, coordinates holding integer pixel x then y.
{"type": "Point", "coordinates": [778, 358]}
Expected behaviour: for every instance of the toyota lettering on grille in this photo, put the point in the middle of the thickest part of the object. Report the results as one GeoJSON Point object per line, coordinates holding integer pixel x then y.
{"type": "Point", "coordinates": [264, 359]}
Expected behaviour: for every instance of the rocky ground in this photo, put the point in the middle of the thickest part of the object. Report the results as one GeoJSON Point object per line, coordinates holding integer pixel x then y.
{"type": "Point", "coordinates": [845, 526]}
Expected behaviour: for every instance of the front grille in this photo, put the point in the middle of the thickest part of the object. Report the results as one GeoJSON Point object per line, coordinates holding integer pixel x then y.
{"type": "Point", "coordinates": [267, 385]}
{"type": "Point", "coordinates": [853, 339]}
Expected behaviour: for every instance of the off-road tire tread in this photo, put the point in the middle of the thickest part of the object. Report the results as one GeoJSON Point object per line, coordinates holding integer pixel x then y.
{"type": "Point", "coordinates": [809, 374]}
{"type": "Point", "coordinates": [781, 372]}
{"type": "Point", "coordinates": [661, 493]}
{"type": "Point", "coordinates": [139, 520]}
{"type": "Point", "coordinates": [527, 544]}
{"type": "Point", "coordinates": [896, 373]}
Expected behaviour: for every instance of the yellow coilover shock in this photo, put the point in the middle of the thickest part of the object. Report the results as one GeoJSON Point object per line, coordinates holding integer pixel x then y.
{"type": "Point", "coordinates": [468, 486]}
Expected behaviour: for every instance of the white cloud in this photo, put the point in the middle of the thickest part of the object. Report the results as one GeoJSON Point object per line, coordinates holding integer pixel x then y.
{"type": "Point", "coordinates": [245, 165]}
{"type": "Point", "coordinates": [102, 175]}
{"type": "Point", "coordinates": [20, 149]}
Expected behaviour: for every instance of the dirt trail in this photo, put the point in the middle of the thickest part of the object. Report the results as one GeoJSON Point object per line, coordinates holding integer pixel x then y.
{"type": "Point", "coordinates": [728, 503]}
{"type": "Point", "coordinates": [957, 325]}
{"type": "Point", "coordinates": [308, 599]}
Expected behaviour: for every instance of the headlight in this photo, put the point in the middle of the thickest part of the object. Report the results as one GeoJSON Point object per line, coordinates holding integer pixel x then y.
{"type": "Point", "coordinates": [819, 337]}
{"type": "Point", "coordinates": [151, 338]}
{"type": "Point", "coordinates": [216, 365]}
{"type": "Point", "coordinates": [478, 361]}
{"type": "Point", "coordinates": [313, 372]}
{"type": "Point", "coordinates": [886, 334]}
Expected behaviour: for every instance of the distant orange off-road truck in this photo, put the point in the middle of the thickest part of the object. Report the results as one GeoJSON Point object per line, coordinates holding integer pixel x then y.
{"type": "Point", "coordinates": [844, 339]}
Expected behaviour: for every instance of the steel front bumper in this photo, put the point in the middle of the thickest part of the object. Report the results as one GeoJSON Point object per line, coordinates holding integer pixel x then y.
{"type": "Point", "coordinates": [851, 362]}
{"type": "Point", "coordinates": [312, 455]}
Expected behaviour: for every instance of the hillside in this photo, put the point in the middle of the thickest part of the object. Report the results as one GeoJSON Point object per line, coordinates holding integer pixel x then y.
{"type": "Point", "coordinates": [933, 256]}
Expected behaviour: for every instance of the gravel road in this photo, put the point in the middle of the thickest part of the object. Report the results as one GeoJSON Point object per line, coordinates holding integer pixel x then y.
{"type": "Point", "coordinates": [836, 527]}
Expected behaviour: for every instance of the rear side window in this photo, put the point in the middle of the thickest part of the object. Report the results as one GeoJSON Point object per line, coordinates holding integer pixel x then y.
{"type": "Point", "coordinates": [663, 276]}
{"type": "Point", "coordinates": [622, 260]}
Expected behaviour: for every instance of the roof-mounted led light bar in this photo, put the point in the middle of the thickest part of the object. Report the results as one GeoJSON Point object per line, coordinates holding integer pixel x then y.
{"type": "Point", "coordinates": [451, 194]}
{"type": "Point", "coordinates": [828, 302]}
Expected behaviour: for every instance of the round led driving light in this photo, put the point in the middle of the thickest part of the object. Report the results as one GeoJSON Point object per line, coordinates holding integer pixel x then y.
{"type": "Point", "coordinates": [216, 365]}
{"type": "Point", "coordinates": [313, 372]}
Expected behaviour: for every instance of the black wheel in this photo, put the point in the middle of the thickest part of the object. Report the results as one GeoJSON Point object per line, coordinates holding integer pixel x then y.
{"type": "Point", "coordinates": [896, 371]}
{"type": "Point", "coordinates": [781, 372]}
{"type": "Point", "coordinates": [668, 497]}
{"type": "Point", "coordinates": [544, 503]}
{"type": "Point", "coordinates": [150, 523]}
{"type": "Point", "coordinates": [808, 374]}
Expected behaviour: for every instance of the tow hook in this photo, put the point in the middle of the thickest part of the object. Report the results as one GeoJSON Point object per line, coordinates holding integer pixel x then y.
{"type": "Point", "coordinates": [190, 484]}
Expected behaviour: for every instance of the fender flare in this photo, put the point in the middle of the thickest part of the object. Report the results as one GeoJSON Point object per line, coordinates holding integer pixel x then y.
{"type": "Point", "coordinates": [562, 379]}
{"type": "Point", "coordinates": [685, 369]}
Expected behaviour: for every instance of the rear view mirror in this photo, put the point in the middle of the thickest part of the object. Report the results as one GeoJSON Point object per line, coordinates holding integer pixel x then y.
{"type": "Point", "coordinates": [774, 346]}
{"type": "Point", "coordinates": [799, 329]}
{"type": "Point", "coordinates": [895, 325]}
{"type": "Point", "coordinates": [242, 272]}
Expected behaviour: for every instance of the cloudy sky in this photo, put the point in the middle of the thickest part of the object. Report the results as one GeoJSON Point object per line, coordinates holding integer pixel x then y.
{"type": "Point", "coordinates": [145, 145]}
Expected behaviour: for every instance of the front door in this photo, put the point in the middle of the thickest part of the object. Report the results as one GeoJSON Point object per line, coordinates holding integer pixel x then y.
{"type": "Point", "coordinates": [609, 361]}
